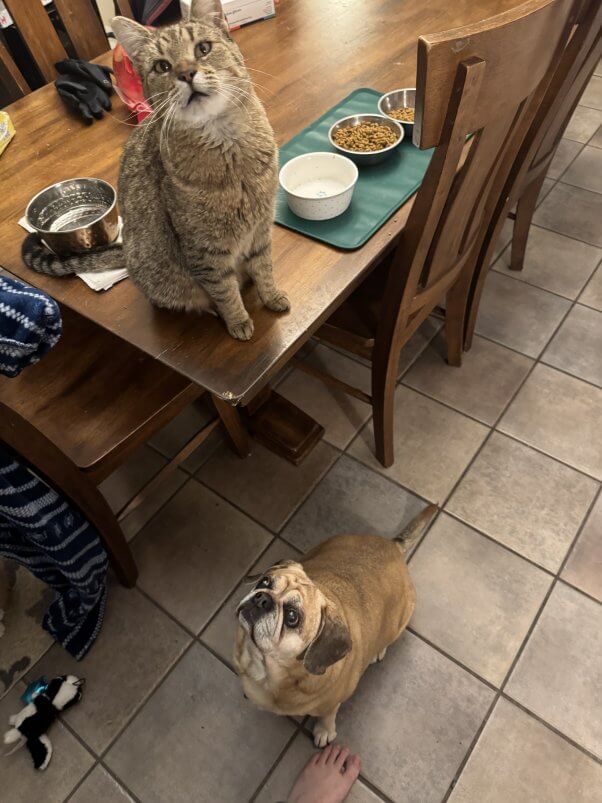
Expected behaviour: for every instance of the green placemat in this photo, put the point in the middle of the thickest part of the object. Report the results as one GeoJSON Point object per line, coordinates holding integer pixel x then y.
{"type": "Point", "coordinates": [380, 190]}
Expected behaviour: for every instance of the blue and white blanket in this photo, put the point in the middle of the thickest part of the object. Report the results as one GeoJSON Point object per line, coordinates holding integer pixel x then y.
{"type": "Point", "coordinates": [38, 527]}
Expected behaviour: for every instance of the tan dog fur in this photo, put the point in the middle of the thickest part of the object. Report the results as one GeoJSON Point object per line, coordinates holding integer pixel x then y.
{"type": "Point", "coordinates": [355, 598]}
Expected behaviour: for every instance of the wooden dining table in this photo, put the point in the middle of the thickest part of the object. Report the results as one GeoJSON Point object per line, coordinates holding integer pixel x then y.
{"type": "Point", "coordinates": [303, 61]}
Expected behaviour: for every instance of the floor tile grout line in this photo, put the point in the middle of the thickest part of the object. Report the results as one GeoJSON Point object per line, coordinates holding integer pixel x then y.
{"type": "Point", "coordinates": [82, 780]}
{"type": "Point", "coordinates": [229, 596]}
{"type": "Point", "coordinates": [134, 537]}
{"type": "Point", "coordinates": [27, 669]}
{"type": "Point", "coordinates": [102, 755]}
{"type": "Point", "coordinates": [279, 758]}
{"type": "Point", "coordinates": [593, 108]}
{"type": "Point", "coordinates": [520, 651]}
{"type": "Point", "coordinates": [574, 159]}
{"type": "Point", "coordinates": [516, 274]}
{"type": "Point", "coordinates": [466, 758]}
{"type": "Point", "coordinates": [295, 508]}
{"type": "Point", "coordinates": [504, 696]}
{"type": "Point", "coordinates": [583, 593]}
{"type": "Point", "coordinates": [549, 228]}
{"type": "Point", "coordinates": [494, 541]}
{"type": "Point", "coordinates": [120, 781]}
{"type": "Point", "coordinates": [547, 454]}
{"type": "Point", "coordinates": [426, 395]}
{"type": "Point", "coordinates": [490, 685]}
{"type": "Point", "coordinates": [552, 584]}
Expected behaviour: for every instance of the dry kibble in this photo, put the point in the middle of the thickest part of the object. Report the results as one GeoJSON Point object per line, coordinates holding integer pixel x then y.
{"type": "Point", "coordinates": [365, 137]}
{"type": "Point", "coordinates": [404, 115]}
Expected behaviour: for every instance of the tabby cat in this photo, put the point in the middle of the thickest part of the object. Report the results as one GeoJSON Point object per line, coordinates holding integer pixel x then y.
{"type": "Point", "coordinates": [198, 178]}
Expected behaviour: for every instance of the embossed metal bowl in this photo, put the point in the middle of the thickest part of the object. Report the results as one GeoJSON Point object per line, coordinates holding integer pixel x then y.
{"type": "Point", "coordinates": [399, 99]}
{"type": "Point", "coordinates": [75, 215]}
{"type": "Point", "coordinates": [366, 157]}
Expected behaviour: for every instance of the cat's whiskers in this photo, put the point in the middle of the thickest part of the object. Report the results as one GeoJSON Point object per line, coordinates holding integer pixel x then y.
{"type": "Point", "coordinates": [226, 92]}
{"type": "Point", "coordinates": [254, 69]}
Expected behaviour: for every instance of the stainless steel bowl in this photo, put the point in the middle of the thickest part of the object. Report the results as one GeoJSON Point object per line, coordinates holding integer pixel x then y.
{"type": "Point", "coordinates": [75, 215]}
{"type": "Point", "coordinates": [397, 100]}
{"type": "Point", "coordinates": [366, 157]}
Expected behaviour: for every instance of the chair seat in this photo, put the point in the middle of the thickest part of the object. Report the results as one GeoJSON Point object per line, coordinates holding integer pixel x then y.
{"type": "Point", "coordinates": [95, 396]}
{"type": "Point", "coordinates": [354, 323]}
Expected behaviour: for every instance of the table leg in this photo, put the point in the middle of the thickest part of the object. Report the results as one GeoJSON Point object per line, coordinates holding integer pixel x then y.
{"type": "Point", "coordinates": [234, 426]}
{"type": "Point", "coordinates": [282, 427]}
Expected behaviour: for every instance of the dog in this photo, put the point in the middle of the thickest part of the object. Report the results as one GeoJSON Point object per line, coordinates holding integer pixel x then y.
{"type": "Point", "coordinates": [309, 629]}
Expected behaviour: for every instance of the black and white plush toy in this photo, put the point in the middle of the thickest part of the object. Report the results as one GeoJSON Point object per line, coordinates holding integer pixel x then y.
{"type": "Point", "coordinates": [29, 726]}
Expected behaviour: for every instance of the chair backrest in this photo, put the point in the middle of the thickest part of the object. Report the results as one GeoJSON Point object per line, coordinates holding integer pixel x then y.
{"type": "Point", "coordinates": [81, 22]}
{"type": "Point", "coordinates": [478, 88]}
{"type": "Point", "coordinates": [578, 62]}
{"type": "Point", "coordinates": [574, 69]}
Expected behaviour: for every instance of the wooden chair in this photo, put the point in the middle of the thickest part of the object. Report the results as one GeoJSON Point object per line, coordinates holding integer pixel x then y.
{"type": "Point", "coordinates": [582, 53]}
{"type": "Point", "coordinates": [482, 80]}
{"type": "Point", "coordinates": [82, 24]}
{"type": "Point", "coordinates": [78, 414]}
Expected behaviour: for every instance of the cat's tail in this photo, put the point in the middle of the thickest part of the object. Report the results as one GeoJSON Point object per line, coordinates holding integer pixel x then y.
{"type": "Point", "coordinates": [39, 258]}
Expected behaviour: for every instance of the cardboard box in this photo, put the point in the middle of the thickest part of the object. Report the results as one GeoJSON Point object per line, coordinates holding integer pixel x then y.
{"type": "Point", "coordinates": [242, 12]}
{"type": "Point", "coordinates": [238, 12]}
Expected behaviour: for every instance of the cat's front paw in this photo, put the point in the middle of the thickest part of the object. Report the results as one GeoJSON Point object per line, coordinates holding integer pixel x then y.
{"type": "Point", "coordinates": [243, 330]}
{"type": "Point", "coordinates": [278, 302]}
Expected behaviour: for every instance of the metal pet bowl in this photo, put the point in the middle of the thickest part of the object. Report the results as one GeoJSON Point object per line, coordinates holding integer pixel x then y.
{"type": "Point", "coordinates": [397, 100]}
{"type": "Point", "coordinates": [75, 215]}
{"type": "Point", "coordinates": [366, 157]}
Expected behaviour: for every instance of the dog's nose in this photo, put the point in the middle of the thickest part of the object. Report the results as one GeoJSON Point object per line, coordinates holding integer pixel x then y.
{"type": "Point", "coordinates": [187, 75]}
{"type": "Point", "coordinates": [263, 600]}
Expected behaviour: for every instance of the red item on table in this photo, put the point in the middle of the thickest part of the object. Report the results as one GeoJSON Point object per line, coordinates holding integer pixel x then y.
{"type": "Point", "coordinates": [129, 85]}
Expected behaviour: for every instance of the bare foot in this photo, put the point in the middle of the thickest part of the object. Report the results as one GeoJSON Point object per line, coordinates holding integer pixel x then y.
{"type": "Point", "coordinates": [327, 777]}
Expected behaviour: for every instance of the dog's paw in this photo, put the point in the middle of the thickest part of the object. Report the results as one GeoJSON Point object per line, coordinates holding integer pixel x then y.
{"type": "Point", "coordinates": [278, 302]}
{"type": "Point", "coordinates": [322, 736]}
{"type": "Point", "coordinates": [242, 330]}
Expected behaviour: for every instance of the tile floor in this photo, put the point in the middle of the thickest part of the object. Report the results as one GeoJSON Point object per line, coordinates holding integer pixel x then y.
{"type": "Point", "coordinates": [494, 693]}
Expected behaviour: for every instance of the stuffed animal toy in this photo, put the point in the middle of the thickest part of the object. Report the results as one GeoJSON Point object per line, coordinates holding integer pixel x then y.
{"type": "Point", "coordinates": [43, 705]}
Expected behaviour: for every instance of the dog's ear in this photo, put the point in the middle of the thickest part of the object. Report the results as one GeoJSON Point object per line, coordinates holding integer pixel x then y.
{"type": "Point", "coordinates": [332, 643]}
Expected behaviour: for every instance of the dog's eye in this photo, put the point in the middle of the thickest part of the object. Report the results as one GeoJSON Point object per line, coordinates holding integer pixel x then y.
{"type": "Point", "coordinates": [202, 49]}
{"type": "Point", "coordinates": [161, 66]}
{"type": "Point", "coordinates": [265, 582]}
{"type": "Point", "coordinates": [291, 617]}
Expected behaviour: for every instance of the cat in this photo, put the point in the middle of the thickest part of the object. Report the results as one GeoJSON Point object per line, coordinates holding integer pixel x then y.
{"type": "Point", "coordinates": [198, 178]}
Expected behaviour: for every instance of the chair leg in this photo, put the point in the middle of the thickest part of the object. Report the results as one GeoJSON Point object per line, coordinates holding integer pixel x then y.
{"type": "Point", "coordinates": [384, 379]}
{"type": "Point", "coordinates": [455, 318]}
{"type": "Point", "coordinates": [234, 426]}
{"type": "Point", "coordinates": [525, 209]}
{"type": "Point", "coordinates": [82, 491]}
{"type": "Point", "coordinates": [113, 540]}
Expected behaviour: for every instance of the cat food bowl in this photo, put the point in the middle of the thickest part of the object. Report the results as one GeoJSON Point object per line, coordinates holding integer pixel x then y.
{"type": "Point", "coordinates": [75, 215]}
{"type": "Point", "coordinates": [400, 106]}
{"type": "Point", "coordinates": [366, 138]}
{"type": "Point", "coordinates": [318, 186]}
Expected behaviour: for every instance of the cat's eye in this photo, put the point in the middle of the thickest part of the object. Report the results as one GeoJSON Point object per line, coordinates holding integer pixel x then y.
{"type": "Point", "coordinates": [202, 49]}
{"type": "Point", "coordinates": [161, 66]}
{"type": "Point", "coordinates": [265, 582]}
{"type": "Point", "coordinates": [291, 617]}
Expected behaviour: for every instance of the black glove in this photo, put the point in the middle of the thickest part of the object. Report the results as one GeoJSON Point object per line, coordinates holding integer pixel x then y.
{"type": "Point", "coordinates": [83, 96]}
{"type": "Point", "coordinates": [84, 71]}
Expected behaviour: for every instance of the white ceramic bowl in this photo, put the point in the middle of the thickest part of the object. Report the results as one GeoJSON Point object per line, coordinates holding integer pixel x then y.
{"type": "Point", "coordinates": [319, 186]}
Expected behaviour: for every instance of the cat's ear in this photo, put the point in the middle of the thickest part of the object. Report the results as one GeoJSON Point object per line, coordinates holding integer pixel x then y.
{"type": "Point", "coordinates": [131, 35]}
{"type": "Point", "coordinates": [209, 11]}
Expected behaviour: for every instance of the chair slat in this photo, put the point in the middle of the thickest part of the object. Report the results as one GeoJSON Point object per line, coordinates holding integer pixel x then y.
{"type": "Point", "coordinates": [84, 27]}
{"type": "Point", "coordinates": [34, 25]}
{"type": "Point", "coordinates": [11, 78]}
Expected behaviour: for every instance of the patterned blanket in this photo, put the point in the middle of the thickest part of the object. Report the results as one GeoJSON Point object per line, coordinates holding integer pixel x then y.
{"type": "Point", "coordinates": [38, 527]}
